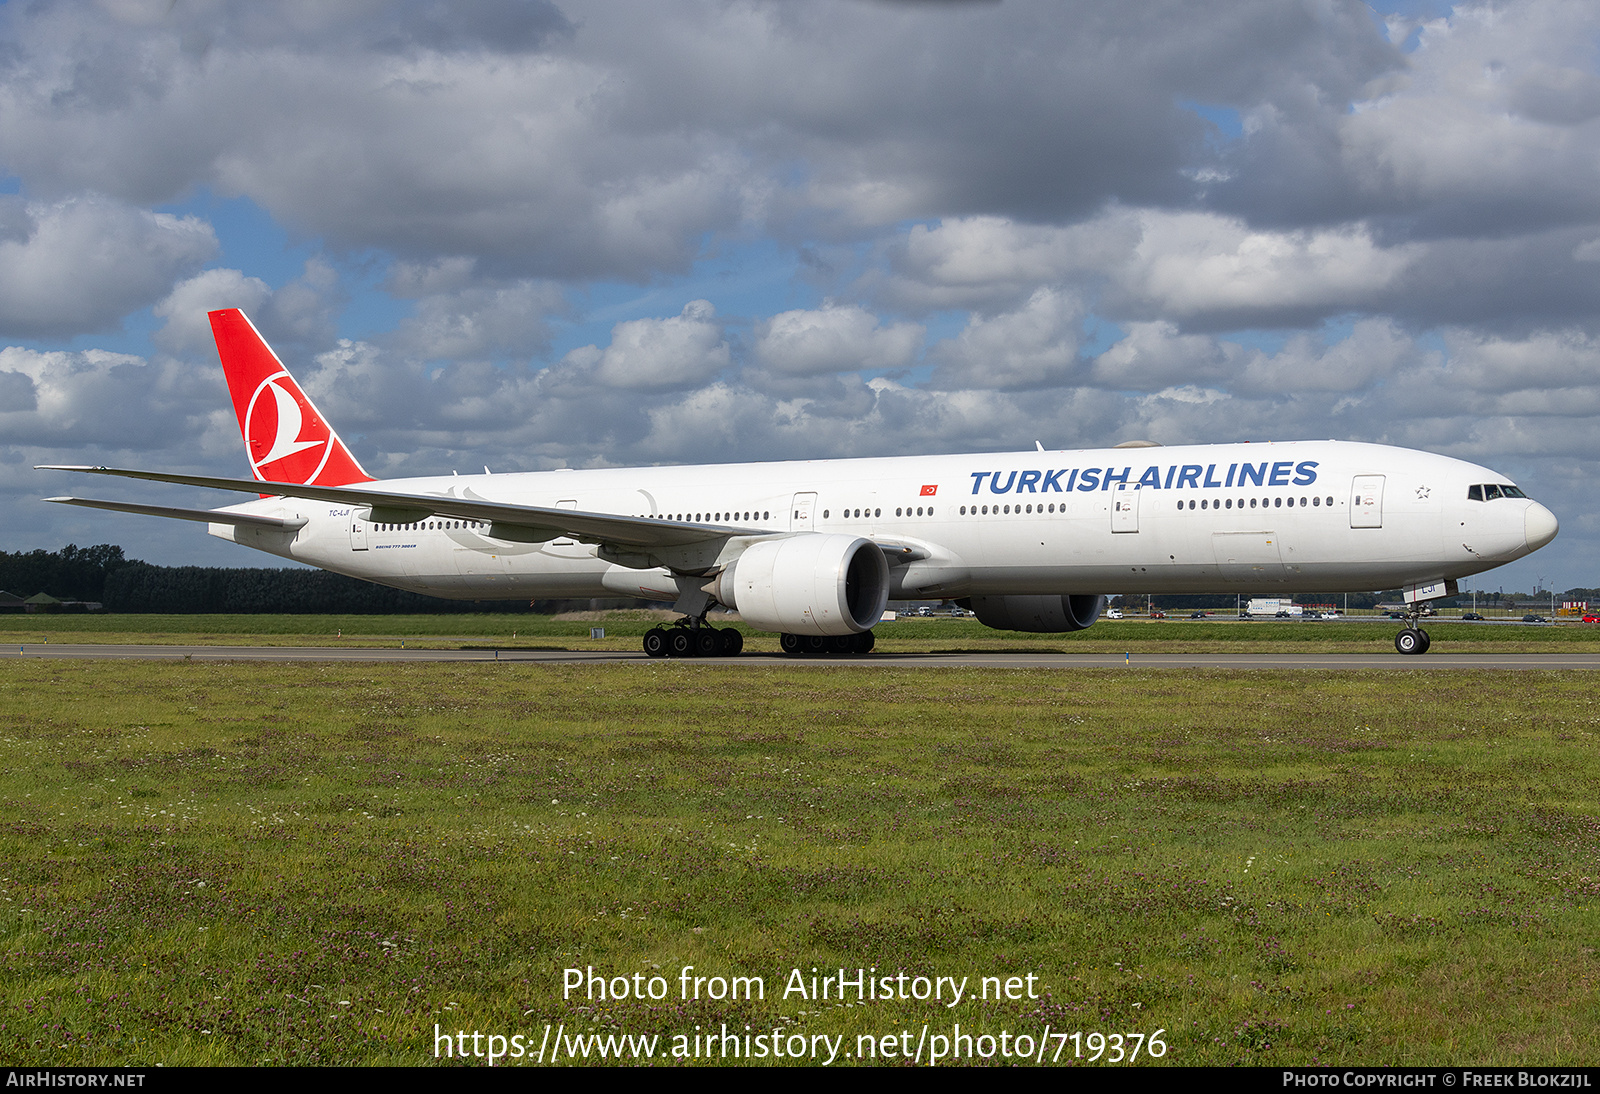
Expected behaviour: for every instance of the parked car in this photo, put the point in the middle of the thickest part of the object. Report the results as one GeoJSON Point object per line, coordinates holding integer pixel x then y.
{"type": "Point", "coordinates": [1114, 613]}
{"type": "Point", "coordinates": [1158, 615]}
{"type": "Point", "coordinates": [1534, 619]}
{"type": "Point", "coordinates": [1474, 616]}
{"type": "Point", "coordinates": [1198, 615]}
{"type": "Point", "coordinates": [1591, 618]}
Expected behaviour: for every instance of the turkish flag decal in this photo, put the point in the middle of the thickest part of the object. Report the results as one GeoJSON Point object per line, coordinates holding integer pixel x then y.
{"type": "Point", "coordinates": [929, 491]}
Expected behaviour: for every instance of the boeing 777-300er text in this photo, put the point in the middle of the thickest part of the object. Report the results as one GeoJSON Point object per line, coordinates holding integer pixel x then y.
{"type": "Point", "coordinates": [815, 549]}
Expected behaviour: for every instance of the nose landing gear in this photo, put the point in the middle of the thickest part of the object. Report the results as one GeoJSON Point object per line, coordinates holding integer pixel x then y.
{"type": "Point", "coordinates": [1412, 640]}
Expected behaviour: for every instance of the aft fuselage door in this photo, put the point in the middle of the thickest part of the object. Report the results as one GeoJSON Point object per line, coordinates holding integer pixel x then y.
{"type": "Point", "coordinates": [1366, 502]}
{"type": "Point", "coordinates": [803, 513]}
{"type": "Point", "coordinates": [1125, 509]}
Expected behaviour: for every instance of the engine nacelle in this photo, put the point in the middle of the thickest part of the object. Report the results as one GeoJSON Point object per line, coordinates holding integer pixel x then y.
{"type": "Point", "coordinates": [808, 584]}
{"type": "Point", "coordinates": [1038, 614]}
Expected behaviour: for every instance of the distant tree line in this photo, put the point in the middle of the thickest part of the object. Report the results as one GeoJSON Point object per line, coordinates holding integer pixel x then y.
{"type": "Point", "coordinates": [72, 573]}
{"type": "Point", "coordinates": [102, 574]}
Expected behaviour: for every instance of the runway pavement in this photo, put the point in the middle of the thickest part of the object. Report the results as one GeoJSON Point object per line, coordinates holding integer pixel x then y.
{"type": "Point", "coordinates": [1023, 659]}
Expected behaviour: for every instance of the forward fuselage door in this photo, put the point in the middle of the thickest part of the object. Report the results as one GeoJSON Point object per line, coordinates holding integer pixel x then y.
{"type": "Point", "coordinates": [358, 529]}
{"type": "Point", "coordinates": [1125, 509]}
{"type": "Point", "coordinates": [803, 513]}
{"type": "Point", "coordinates": [1366, 502]}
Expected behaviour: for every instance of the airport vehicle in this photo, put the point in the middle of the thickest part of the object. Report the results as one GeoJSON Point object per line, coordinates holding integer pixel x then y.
{"type": "Point", "coordinates": [813, 550]}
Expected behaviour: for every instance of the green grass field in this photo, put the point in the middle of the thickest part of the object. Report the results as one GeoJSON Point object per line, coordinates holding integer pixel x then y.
{"type": "Point", "coordinates": [248, 864]}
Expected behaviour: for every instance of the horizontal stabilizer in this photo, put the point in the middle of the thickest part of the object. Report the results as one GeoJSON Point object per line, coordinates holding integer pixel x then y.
{"type": "Point", "coordinates": [204, 516]}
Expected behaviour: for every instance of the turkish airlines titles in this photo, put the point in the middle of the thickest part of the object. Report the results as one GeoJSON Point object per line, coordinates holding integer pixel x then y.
{"type": "Point", "coordinates": [1172, 477]}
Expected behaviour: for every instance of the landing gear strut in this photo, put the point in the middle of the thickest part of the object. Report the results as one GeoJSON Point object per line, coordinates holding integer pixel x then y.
{"type": "Point", "coordinates": [1412, 640]}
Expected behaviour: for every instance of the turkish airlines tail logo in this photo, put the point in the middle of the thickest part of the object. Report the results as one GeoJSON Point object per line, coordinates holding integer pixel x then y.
{"type": "Point", "coordinates": [285, 437]}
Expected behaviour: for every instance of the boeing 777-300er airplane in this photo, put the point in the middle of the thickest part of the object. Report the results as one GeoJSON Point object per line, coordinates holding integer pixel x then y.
{"type": "Point", "coordinates": [815, 549]}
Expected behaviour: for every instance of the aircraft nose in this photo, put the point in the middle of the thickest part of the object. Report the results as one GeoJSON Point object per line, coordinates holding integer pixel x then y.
{"type": "Point", "coordinates": [1539, 526]}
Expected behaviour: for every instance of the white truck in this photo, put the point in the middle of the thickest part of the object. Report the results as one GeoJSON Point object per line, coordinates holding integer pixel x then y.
{"type": "Point", "coordinates": [1272, 607]}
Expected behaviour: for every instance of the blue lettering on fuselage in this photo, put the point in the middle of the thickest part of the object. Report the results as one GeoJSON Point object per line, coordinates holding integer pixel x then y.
{"type": "Point", "coordinates": [1155, 477]}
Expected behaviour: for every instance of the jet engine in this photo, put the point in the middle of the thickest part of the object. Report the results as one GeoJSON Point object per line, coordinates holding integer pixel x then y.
{"type": "Point", "coordinates": [1038, 614]}
{"type": "Point", "coordinates": [809, 584]}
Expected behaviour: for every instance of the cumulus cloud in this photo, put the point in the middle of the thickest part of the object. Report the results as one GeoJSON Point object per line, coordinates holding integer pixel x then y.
{"type": "Point", "coordinates": [292, 318]}
{"type": "Point", "coordinates": [1488, 123]}
{"type": "Point", "coordinates": [79, 401]}
{"type": "Point", "coordinates": [1033, 346]}
{"type": "Point", "coordinates": [80, 265]}
{"type": "Point", "coordinates": [481, 320]}
{"type": "Point", "coordinates": [833, 338]}
{"type": "Point", "coordinates": [659, 354]}
{"type": "Point", "coordinates": [606, 140]}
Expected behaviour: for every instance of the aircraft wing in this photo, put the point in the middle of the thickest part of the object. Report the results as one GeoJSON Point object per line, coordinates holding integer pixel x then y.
{"type": "Point", "coordinates": [528, 523]}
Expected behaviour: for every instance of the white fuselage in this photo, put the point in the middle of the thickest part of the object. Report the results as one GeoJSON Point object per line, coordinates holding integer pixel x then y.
{"type": "Point", "coordinates": [1306, 516]}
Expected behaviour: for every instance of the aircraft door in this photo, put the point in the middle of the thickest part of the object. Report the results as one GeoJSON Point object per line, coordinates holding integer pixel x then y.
{"type": "Point", "coordinates": [1125, 509]}
{"type": "Point", "coordinates": [358, 529]}
{"type": "Point", "coordinates": [803, 513]}
{"type": "Point", "coordinates": [1366, 502]}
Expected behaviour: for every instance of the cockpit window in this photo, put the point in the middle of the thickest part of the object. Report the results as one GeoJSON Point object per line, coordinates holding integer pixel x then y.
{"type": "Point", "coordinates": [1513, 492]}
{"type": "Point", "coordinates": [1493, 492]}
{"type": "Point", "coordinates": [1475, 493]}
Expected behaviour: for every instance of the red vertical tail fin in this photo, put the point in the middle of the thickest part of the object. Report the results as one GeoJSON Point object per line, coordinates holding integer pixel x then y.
{"type": "Point", "coordinates": [286, 438]}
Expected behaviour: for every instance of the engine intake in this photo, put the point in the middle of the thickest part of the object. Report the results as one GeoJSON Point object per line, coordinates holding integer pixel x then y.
{"type": "Point", "coordinates": [807, 584]}
{"type": "Point", "coordinates": [1038, 614]}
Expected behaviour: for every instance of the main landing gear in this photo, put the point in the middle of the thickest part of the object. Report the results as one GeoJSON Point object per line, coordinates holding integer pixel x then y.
{"type": "Point", "coordinates": [1413, 639]}
{"type": "Point", "coordinates": [696, 638]}
{"type": "Point", "coordinates": [692, 638]}
{"type": "Point", "coordinates": [831, 645]}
